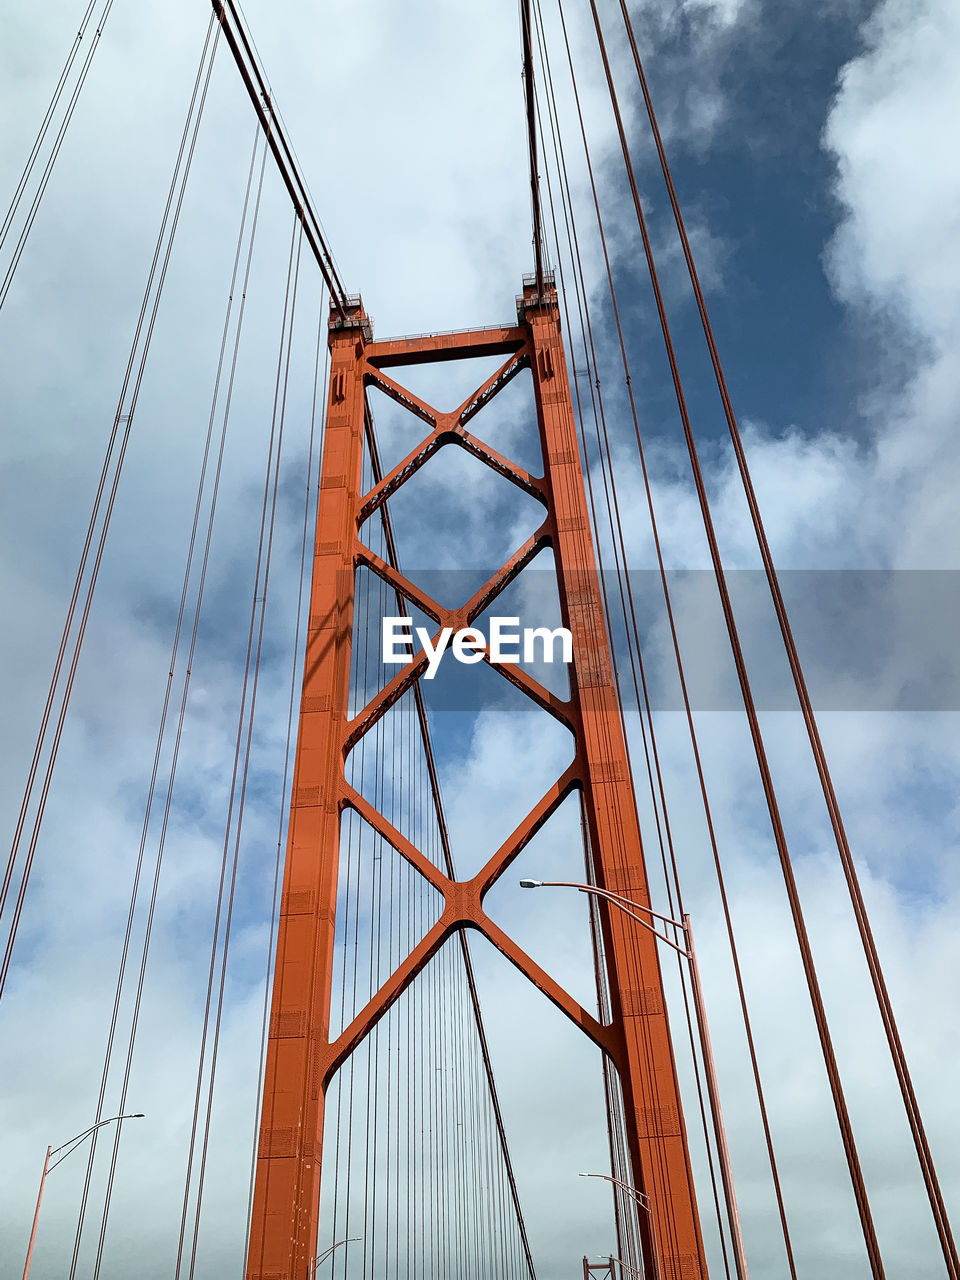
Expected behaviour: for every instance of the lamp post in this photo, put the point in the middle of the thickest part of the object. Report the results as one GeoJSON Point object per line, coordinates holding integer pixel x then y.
{"type": "Point", "coordinates": [629, 1266]}
{"type": "Point", "coordinates": [643, 1200]}
{"type": "Point", "coordinates": [641, 1197]}
{"type": "Point", "coordinates": [67, 1148]}
{"type": "Point", "coordinates": [630, 908]}
{"type": "Point", "coordinates": [322, 1257]}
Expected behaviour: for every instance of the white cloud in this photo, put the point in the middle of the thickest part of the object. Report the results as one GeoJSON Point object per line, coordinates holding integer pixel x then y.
{"type": "Point", "coordinates": [890, 128]}
{"type": "Point", "coordinates": [424, 208]}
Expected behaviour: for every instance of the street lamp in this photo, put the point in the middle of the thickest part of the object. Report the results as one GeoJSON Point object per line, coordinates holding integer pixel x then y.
{"type": "Point", "coordinates": [629, 1266]}
{"type": "Point", "coordinates": [643, 1200]}
{"type": "Point", "coordinates": [67, 1148]}
{"type": "Point", "coordinates": [322, 1257]}
{"type": "Point", "coordinates": [641, 1197]}
{"type": "Point", "coordinates": [630, 908]}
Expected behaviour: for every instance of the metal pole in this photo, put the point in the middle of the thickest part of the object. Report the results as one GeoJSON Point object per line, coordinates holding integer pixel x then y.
{"type": "Point", "coordinates": [322, 1257]}
{"type": "Point", "coordinates": [719, 1130]}
{"type": "Point", "coordinates": [47, 1166]}
{"type": "Point", "coordinates": [36, 1214]}
{"type": "Point", "coordinates": [643, 1200]}
{"type": "Point", "coordinates": [629, 1266]}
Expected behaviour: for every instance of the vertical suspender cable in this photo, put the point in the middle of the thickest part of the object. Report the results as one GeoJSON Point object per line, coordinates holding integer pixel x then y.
{"type": "Point", "coordinates": [610, 494]}
{"type": "Point", "coordinates": [813, 985]}
{"type": "Point", "coordinates": [260, 609]}
{"type": "Point", "coordinates": [241, 760]}
{"type": "Point", "coordinates": [450, 868]}
{"type": "Point", "coordinates": [45, 124]}
{"type": "Point", "coordinates": [161, 733]}
{"type": "Point", "coordinates": [126, 408]}
{"type": "Point", "coordinates": [891, 1029]}
{"type": "Point", "coordinates": [7, 282]}
{"type": "Point", "coordinates": [679, 663]}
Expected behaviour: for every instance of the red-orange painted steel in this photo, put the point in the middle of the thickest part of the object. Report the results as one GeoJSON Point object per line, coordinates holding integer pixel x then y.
{"type": "Point", "coordinates": [287, 1191]}
{"type": "Point", "coordinates": [655, 1129]}
{"type": "Point", "coordinates": [301, 1058]}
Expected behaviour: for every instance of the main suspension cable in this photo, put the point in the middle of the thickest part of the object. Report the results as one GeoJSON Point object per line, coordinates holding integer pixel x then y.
{"type": "Point", "coordinates": [530, 102]}
{"type": "Point", "coordinates": [248, 65]}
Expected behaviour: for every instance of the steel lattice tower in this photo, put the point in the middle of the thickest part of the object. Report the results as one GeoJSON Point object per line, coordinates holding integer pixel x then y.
{"type": "Point", "coordinates": [302, 1058]}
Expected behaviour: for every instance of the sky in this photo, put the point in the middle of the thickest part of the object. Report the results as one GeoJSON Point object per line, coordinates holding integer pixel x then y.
{"type": "Point", "coordinates": [811, 151]}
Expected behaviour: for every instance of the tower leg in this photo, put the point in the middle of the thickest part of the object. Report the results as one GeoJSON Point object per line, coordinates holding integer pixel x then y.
{"type": "Point", "coordinates": [301, 1059]}
{"type": "Point", "coordinates": [651, 1095]}
{"type": "Point", "coordinates": [283, 1238]}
